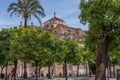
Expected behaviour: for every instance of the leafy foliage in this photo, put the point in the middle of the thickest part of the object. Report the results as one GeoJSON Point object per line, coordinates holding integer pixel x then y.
{"type": "Point", "coordinates": [4, 47]}
{"type": "Point", "coordinates": [74, 54]}
{"type": "Point", "coordinates": [103, 18]}
{"type": "Point", "coordinates": [104, 28]}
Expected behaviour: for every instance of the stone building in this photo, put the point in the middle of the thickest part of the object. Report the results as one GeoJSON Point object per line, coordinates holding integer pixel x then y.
{"type": "Point", "coordinates": [61, 30]}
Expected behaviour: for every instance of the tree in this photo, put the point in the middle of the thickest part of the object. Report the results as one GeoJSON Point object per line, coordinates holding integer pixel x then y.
{"type": "Point", "coordinates": [72, 53]}
{"type": "Point", "coordinates": [114, 54]}
{"type": "Point", "coordinates": [49, 48]}
{"type": "Point", "coordinates": [29, 47]}
{"type": "Point", "coordinates": [27, 9]}
{"type": "Point", "coordinates": [36, 54]}
{"type": "Point", "coordinates": [104, 20]}
{"type": "Point", "coordinates": [89, 57]}
{"type": "Point", "coordinates": [24, 45]}
{"type": "Point", "coordinates": [75, 55]}
{"type": "Point", "coordinates": [4, 49]}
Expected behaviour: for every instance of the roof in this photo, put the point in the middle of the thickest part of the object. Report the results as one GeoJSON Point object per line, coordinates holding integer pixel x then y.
{"type": "Point", "coordinates": [55, 18]}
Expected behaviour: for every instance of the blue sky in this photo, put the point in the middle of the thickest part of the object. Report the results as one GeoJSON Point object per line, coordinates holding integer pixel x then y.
{"type": "Point", "coordinates": [68, 10]}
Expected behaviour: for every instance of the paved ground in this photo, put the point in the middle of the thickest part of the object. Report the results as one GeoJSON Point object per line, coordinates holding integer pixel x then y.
{"type": "Point", "coordinates": [72, 78]}
{"type": "Point", "coordinates": [75, 78]}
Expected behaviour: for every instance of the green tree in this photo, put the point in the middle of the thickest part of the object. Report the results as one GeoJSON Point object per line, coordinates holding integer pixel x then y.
{"type": "Point", "coordinates": [114, 54]}
{"type": "Point", "coordinates": [76, 54]}
{"type": "Point", "coordinates": [4, 49]}
{"type": "Point", "coordinates": [36, 50]}
{"type": "Point", "coordinates": [89, 57]}
{"type": "Point", "coordinates": [104, 20]}
{"type": "Point", "coordinates": [29, 47]}
{"type": "Point", "coordinates": [21, 45]}
{"type": "Point", "coordinates": [72, 54]}
{"type": "Point", "coordinates": [50, 49]}
{"type": "Point", "coordinates": [27, 9]}
{"type": "Point", "coordinates": [15, 46]}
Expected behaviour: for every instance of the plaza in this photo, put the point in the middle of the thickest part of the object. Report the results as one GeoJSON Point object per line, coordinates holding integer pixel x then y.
{"type": "Point", "coordinates": [56, 50]}
{"type": "Point", "coordinates": [69, 78]}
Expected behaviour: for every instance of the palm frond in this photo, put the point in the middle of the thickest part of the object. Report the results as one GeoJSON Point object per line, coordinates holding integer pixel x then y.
{"type": "Point", "coordinates": [14, 12]}
{"type": "Point", "coordinates": [27, 8]}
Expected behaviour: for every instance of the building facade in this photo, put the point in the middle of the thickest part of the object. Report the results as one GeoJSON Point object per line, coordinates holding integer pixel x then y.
{"type": "Point", "coordinates": [61, 30]}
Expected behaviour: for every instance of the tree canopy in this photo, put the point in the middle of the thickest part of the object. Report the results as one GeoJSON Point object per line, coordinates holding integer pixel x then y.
{"type": "Point", "coordinates": [104, 20]}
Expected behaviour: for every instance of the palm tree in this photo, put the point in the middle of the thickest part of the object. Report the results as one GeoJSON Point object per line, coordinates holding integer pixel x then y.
{"type": "Point", "coordinates": [27, 9]}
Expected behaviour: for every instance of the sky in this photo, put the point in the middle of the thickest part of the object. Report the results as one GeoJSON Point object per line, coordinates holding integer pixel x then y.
{"type": "Point", "coordinates": [67, 10]}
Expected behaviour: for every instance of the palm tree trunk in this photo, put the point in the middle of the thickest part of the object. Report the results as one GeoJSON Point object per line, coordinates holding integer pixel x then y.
{"type": "Point", "coordinates": [25, 22]}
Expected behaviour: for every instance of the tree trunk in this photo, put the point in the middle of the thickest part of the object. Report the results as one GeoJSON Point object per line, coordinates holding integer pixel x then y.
{"type": "Point", "coordinates": [49, 72]}
{"type": "Point", "coordinates": [63, 70]}
{"type": "Point", "coordinates": [15, 66]}
{"type": "Point", "coordinates": [102, 60]}
{"type": "Point", "coordinates": [110, 70]}
{"type": "Point", "coordinates": [89, 69]}
{"type": "Point", "coordinates": [25, 71]}
{"type": "Point", "coordinates": [52, 71]}
{"type": "Point", "coordinates": [39, 71]}
{"type": "Point", "coordinates": [6, 77]}
{"type": "Point", "coordinates": [114, 70]}
{"type": "Point", "coordinates": [2, 67]}
{"type": "Point", "coordinates": [66, 78]}
{"type": "Point", "coordinates": [36, 70]}
{"type": "Point", "coordinates": [25, 22]}
{"type": "Point", "coordinates": [86, 68]}
{"type": "Point", "coordinates": [100, 65]}
{"type": "Point", "coordinates": [78, 70]}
